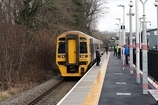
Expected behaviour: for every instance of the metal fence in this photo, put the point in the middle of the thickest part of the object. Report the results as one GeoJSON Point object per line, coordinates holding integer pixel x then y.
{"type": "Point", "coordinates": [152, 62]}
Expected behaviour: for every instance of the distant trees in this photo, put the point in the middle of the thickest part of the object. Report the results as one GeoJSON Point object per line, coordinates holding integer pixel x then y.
{"type": "Point", "coordinates": [60, 15]}
{"type": "Point", "coordinates": [107, 38]}
{"type": "Point", "coordinates": [28, 31]}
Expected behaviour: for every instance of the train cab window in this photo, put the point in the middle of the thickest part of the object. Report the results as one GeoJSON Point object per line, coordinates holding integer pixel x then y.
{"type": "Point", "coordinates": [82, 38]}
{"type": "Point", "coordinates": [62, 39]}
{"type": "Point", "coordinates": [61, 48]}
{"type": "Point", "coordinates": [83, 47]}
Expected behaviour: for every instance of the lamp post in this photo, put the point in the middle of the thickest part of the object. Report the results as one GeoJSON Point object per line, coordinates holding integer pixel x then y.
{"type": "Point", "coordinates": [131, 40]}
{"type": "Point", "coordinates": [123, 35]}
{"type": "Point", "coordinates": [156, 4]}
{"type": "Point", "coordinates": [140, 36]}
{"type": "Point", "coordinates": [120, 37]}
{"type": "Point", "coordinates": [117, 33]}
{"type": "Point", "coordinates": [137, 42]}
{"type": "Point", "coordinates": [146, 23]}
{"type": "Point", "coordinates": [147, 33]}
{"type": "Point", "coordinates": [115, 37]}
{"type": "Point", "coordinates": [144, 53]}
{"type": "Point", "coordinates": [141, 26]}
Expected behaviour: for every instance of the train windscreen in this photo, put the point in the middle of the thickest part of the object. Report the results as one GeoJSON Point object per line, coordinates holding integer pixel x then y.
{"type": "Point", "coordinates": [61, 48]}
{"type": "Point", "coordinates": [83, 47]}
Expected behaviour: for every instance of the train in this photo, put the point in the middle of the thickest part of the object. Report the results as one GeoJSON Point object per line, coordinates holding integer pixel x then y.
{"type": "Point", "coordinates": [75, 53]}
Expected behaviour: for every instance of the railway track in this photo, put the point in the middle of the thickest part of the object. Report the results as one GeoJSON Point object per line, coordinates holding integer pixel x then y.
{"type": "Point", "coordinates": [37, 99]}
{"type": "Point", "coordinates": [47, 93]}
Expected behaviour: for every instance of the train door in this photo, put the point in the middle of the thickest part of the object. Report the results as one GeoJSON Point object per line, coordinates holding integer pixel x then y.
{"type": "Point", "coordinates": [92, 49]}
{"type": "Point", "coordinates": [72, 53]}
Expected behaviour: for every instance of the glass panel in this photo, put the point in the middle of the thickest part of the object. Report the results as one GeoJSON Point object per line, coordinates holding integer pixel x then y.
{"type": "Point", "coordinates": [61, 48]}
{"type": "Point", "coordinates": [83, 47]}
{"type": "Point", "coordinates": [62, 39]}
{"type": "Point", "coordinates": [82, 38]}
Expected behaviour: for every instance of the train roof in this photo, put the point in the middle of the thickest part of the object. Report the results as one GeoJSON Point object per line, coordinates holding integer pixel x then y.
{"type": "Point", "coordinates": [89, 37]}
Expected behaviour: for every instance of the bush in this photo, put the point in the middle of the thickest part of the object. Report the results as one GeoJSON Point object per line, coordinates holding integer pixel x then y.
{"type": "Point", "coordinates": [25, 56]}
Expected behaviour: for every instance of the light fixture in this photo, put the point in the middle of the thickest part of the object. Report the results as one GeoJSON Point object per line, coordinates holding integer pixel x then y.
{"type": "Point", "coordinates": [131, 4]}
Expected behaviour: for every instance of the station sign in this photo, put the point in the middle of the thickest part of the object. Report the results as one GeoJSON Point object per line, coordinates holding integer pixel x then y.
{"type": "Point", "coordinates": [123, 27]}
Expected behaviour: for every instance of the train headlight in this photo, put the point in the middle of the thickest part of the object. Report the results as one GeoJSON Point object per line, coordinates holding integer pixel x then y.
{"type": "Point", "coordinates": [83, 56]}
{"type": "Point", "coordinates": [61, 56]}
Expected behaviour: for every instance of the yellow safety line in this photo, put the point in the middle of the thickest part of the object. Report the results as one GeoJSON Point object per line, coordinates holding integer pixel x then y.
{"type": "Point", "coordinates": [94, 93]}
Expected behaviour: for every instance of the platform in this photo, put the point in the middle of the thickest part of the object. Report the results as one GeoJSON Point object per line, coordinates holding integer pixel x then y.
{"type": "Point", "coordinates": [109, 84]}
{"type": "Point", "coordinates": [120, 87]}
{"type": "Point", "coordinates": [88, 89]}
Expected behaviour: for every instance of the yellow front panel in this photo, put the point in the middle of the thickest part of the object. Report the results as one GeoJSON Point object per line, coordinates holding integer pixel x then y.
{"type": "Point", "coordinates": [72, 51]}
{"type": "Point", "coordinates": [63, 71]}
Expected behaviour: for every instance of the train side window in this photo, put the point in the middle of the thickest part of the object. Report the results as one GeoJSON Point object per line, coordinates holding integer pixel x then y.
{"type": "Point", "coordinates": [61, 48]}
{"type": "Point", "coordinates": [83, 47]}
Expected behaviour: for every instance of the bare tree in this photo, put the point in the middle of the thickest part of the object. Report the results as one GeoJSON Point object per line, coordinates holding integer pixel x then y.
{"type": "Point", "coordinates": [28, 29]}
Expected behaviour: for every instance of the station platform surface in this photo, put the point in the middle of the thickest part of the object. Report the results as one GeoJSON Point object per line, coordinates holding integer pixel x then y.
{"type": "Point", "coordinates": [120, 87]}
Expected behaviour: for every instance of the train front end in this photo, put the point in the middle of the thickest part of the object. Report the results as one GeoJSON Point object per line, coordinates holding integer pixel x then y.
{"type": "Point", "coordinates": [72, 54]}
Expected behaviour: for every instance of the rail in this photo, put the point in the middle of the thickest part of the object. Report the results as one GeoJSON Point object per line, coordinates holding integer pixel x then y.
{"type": "Point", "coordinates": [37, 99]}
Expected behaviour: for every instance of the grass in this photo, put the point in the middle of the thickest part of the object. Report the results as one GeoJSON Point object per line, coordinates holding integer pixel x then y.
{"type": "Point", "coordinates": [12, 92]}
{"type": "Point", "coordinates": [6, 94]}
{"type": "Point", "coordinates": [3, 96]}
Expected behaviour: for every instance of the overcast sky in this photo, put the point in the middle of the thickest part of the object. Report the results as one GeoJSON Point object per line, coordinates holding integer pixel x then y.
{"type": "Point", "coordinates": [108, 21]}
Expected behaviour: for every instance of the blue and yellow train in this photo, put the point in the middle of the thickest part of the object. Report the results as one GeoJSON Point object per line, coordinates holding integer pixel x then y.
{"type": "Point", "coordinates": [75, 53]}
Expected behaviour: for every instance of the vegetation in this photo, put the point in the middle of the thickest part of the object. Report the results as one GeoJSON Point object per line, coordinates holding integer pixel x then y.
{"type": "Point", "coordinates": [28, 31]}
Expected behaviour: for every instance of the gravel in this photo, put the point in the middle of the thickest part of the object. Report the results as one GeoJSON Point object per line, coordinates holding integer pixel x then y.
{"type": "Point", "coordinates": [26, 96]}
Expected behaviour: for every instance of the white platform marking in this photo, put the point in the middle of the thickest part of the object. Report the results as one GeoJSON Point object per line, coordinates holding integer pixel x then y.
{"type": "Point", "coordinates": [118, 73]}
{"type": "Point", "coordinates": [120, 83]}
{"type": "Point", "coordinates": [123, 94]}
